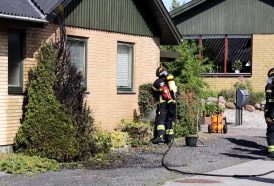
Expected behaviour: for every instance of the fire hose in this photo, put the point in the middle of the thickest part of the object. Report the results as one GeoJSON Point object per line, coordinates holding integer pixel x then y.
{"type": "Point", "coordinates": [206, 174]}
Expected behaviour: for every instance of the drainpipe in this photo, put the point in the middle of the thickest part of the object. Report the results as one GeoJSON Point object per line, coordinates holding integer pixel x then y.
{"type": "Point", "coordinates": [30, 19]}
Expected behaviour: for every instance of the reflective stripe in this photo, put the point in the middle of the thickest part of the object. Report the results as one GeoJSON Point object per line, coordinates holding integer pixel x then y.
{"type": "Point", "coordinates": [162, 100]}
{"type": "Point", "coordinates": [270, 100]}
{"type": "Point", "coordinates": [169, 132]}
{"type": "Point", "coordinates": [170, 101]}
{"type": "Point", "coordinates": [160, 127]}
{"type": "Point", "coordinates": [271, 148]}
{"type": "Point", "coordinates": [268, 91]}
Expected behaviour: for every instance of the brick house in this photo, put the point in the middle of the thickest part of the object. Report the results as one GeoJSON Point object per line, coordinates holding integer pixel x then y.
{"type": "Point", "coordinates": [231, 30]}
{"type": "Point", "coordinates": [114, 43]}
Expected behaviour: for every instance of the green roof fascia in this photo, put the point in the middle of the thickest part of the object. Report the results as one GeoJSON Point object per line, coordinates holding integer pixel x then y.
{"type": "Point", "coordinates": [169, 21]}
{"type": "Point", "coordinates": [186, 7]}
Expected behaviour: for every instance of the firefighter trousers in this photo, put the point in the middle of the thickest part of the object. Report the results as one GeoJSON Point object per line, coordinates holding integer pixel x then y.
{"type": "Point", "coordinates": [165, 115]}
{"type": "Point", "coordinates": [270, 138]}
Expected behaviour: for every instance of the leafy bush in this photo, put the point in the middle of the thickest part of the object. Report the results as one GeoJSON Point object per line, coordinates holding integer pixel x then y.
{"type": "Point", "coordinates": [229, 95]}
{"type": "Point", "coordinates": [187, 69]}
{"type": "Point", "coordinates": [207, 92]}
{"type": "Point", "coordinates": [21, 164]}
{"type": "Point", "coordinates": [243, 84]}
{"type": "Point", "coordinates": [47, 130]}
{"type": "Point", "coordinates": [119, 139]}
{"type": "Point", "coordinates": [102, 141]}
{"type": "Point", "coordinates": [139, 132]}
{"type": "Point", "coordinates": [146, 100]}
{"type": "Point", "coordinates": [187, 107]}
{"type": "Point", "coordinates": [70, 92]}
{"type": "Point", "coordinates": [211, 108]}
{"type": "Point", "coordinates": [256, 97]}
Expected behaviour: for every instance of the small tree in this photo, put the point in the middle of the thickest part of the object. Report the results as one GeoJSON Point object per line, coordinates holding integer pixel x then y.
{"type": "Point", "coordinates": [175, 4]}
{"type": "Point", "coordinates": [47, 130]}
{"type": "Point", "coordinates": [57, 122]}
{"type": "Point", "coordinates": [70, 93]}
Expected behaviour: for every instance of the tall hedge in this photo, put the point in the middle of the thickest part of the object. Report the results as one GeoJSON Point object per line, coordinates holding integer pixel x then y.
{"type": "Point", "coordinates": [47, 130]}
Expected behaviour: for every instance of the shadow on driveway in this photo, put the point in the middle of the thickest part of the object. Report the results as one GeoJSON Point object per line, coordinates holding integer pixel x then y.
{"type": "Point", "coordinates": [247, 149]}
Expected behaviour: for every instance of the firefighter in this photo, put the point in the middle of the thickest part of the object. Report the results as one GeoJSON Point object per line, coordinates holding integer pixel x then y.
{"type": "Point", "coordinates": [269, 112]}
{"type": "Point", "coordinates": [164, 89]}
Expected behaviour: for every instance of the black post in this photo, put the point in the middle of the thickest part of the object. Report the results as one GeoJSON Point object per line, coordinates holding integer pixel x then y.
{"type": "Point", "coordinates": [239, 109]}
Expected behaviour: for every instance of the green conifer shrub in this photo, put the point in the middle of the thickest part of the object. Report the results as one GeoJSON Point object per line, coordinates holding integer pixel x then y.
{"type": "Point", "coordinates": [47, 130]}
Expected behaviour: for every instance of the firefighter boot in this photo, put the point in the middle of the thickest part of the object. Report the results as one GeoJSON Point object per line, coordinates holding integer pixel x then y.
{"type": "Point", "coordinates": [158, 140]}
{"type": "Point", "coordinates": [270, 140]}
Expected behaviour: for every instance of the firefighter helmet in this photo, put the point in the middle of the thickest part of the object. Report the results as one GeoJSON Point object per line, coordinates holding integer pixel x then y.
{"type": "Point", "coordinates": [161, 71]}
{"type": "Point", "coordinates": [271, 73]}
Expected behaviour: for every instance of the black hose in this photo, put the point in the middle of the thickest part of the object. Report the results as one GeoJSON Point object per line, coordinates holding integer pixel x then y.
{"type": "Point", "coordinates": [205, 174]}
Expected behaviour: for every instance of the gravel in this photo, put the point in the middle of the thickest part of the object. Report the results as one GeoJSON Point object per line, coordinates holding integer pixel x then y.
{"type": "Point", "coordinates": [251, 120]}
{"type": "Point", "coordinates": [143, 166]}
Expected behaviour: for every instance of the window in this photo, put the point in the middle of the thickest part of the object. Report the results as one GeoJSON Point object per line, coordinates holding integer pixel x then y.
{"type": "Point", "coordinates": [15, 62]}
{"type": "Point", "coordinates": [77, 48]}
{"type": "Point", "coordinates": [239, 48]}
{"type": "Point", "coordinates": [125, 67]}
{"type": "Point", "coordinates": [214, 51]}
{"type": "Point", "coordinates": [224, 50]}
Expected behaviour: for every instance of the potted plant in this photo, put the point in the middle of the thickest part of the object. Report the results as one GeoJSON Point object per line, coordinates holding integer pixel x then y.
{"type": "Point", "coordinates": [237, 66]}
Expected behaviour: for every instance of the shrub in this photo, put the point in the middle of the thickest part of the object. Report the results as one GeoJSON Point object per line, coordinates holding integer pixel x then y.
{"type": "Point", "coordinates": [47, 130]}
{"type": "Point", "coordinates": [256, 97]}
{"type": "Point", "coordinates": [119, 139]}
{"type": "Point", "coordinates": [70, 92]}
{"type": "Point", "coordinates": [207, 92]}
{"type": "Point", "coordinates": [187, 108]}
{"type": "Point", "coordinates": [102, 141]}
{"type": "Point", "coordinates": [139, 132]}
{"type": "Point", "coordinates": [211, 108]}
{"type": "Point", "coordinates": [187, 69]}
{"type": "Point", "coordinates": [243, 84]}
{"type": "Point", "coordinates": [21, 164]}
{"type": "Point", "coordinates": [146, 100]}
{"type": "Point", "coordinates": [229, 95]}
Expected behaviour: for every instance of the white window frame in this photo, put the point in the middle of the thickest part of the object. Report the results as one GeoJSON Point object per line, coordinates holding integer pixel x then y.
{"type": "Point", "coordinates": [125, 85]}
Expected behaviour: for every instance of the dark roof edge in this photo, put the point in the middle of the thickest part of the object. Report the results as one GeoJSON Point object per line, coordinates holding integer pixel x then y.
{"type": "Point", "coordinates": [185, 7]}
{"type": "Point", "coordinates": [37, 7]}
{"type": "Point", "coordinates": [169, 21]}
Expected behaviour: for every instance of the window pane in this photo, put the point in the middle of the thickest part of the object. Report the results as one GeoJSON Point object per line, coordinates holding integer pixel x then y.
{"type": "Point", "coordinates": [77, 55]}
{"type": "Point", "coordinates": [213, 49]}
{"type": "Point", "coordinates": [239, 49]}
{"type": "Point", "coordinates": [15, 56]}
{"type": "Point", "coordinates": [124, 66]}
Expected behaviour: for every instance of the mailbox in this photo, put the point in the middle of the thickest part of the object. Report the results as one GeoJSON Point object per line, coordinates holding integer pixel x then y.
{"type": "Point", "coordinates": [242, 98]}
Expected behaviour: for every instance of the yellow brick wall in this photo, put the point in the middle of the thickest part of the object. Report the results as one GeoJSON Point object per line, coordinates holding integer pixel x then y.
{"type": "Point", "coordinates": [108, 107]}
{"type": "Point", "coordinates": [262, 61]}
{"type": "Point", "coordinates": [11, 105]}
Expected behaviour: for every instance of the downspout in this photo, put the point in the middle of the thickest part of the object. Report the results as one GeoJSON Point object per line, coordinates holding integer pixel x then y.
{"type": "Point", "coordinates": [30, 19]}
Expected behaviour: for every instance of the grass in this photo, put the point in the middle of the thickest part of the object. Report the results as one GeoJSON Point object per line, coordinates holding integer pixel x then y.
{"type": "Point", "coordinates": [22, 164]}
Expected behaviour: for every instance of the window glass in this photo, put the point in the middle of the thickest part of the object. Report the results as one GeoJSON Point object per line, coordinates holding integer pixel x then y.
{"type": "Point", "coordinates": [15, 58]}
{"type": "Point", "coordinates": [124, 67]}
{"type": "Point", "coordinates": [77, 49]}
{"type": "Point", "coordinates": [213, 49]}
{"type": "Point", "coordinates": [239, 49]}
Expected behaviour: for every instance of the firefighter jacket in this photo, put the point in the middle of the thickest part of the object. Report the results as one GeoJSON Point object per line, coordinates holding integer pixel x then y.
{"type": "Point", "coordinates": [269, 106]}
